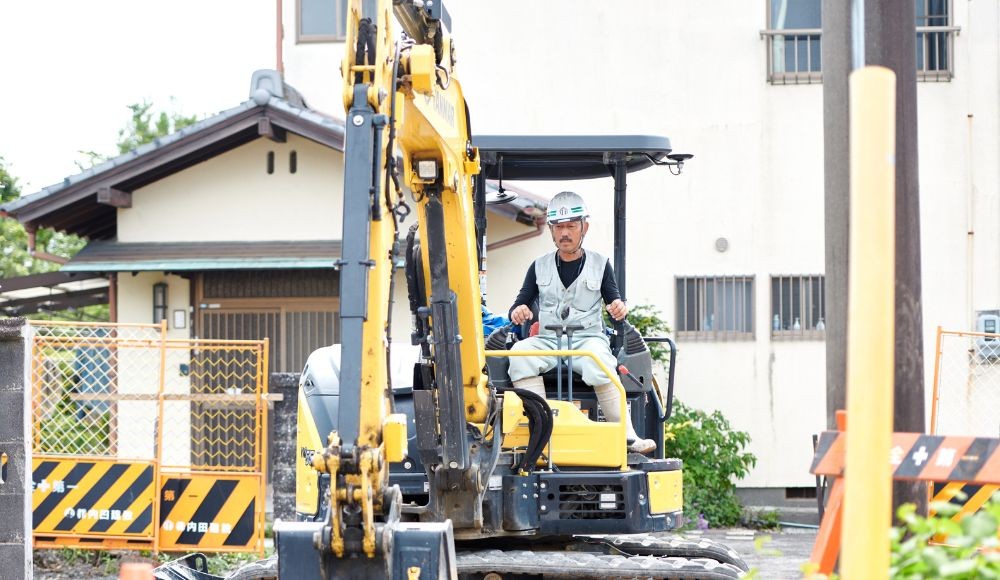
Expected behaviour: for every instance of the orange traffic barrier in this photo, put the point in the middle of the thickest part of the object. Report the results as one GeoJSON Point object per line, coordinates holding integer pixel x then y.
{"type": "Point", "coordinates": [913, 457]}
{"type": "Point", "coordinates": [135, 571]}
{"type": "Point", "coordinates": [827, 547]}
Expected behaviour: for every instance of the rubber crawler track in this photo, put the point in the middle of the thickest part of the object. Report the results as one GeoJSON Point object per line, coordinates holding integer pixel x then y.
{"type": "Point", "coordinates": [644, 556]}
{"type": "Point", "coordinates": [673, 545]}
{"type": "Point", "coordinates": [593, 565]}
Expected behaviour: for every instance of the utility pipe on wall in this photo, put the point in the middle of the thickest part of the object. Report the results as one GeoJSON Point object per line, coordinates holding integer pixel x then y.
{"type": "Point", "coordinates": [280, 40]}
{"type": "Point", "coordinates": [970, 232]}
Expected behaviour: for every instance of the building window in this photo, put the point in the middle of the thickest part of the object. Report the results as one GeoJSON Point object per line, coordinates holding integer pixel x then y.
{"type": "Point", "coordinates": [935, 40]}
{"type": "Point", "coordinates": [793, 41]}
{"type": "Point", "coordinates": [321, 20]}
{"type": "Point", "coordinates": [715, 308]}
{"type": "Point", "coordinates": [798, 307]}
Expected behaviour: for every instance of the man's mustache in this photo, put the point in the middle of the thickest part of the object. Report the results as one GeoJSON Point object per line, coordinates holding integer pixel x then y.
{"type": "Point", "coordinates": [565, 239]}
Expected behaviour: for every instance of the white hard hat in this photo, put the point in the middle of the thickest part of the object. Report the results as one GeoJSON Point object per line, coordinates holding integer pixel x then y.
{"type": "Point", "coordinates": [567, 206]}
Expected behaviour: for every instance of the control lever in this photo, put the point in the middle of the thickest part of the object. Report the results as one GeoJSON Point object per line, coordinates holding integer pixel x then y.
{"type": "Point", "coordinates": [560, 330]}
{"type": "Point", "coordinates": [618, 336]}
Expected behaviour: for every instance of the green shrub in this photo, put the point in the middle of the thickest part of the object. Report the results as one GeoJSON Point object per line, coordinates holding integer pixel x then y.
{"type": "Point", "coordinates": [970, 551]}
{"type": "Point", "coordinates": [714, 458]}
{"type": "Point", "coordinates": [646, 319]}
{"type": "Point", "coordinates": [64, 432]}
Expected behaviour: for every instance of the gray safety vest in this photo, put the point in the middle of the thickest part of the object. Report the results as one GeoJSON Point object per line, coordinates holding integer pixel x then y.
{"type": "Point", "coordinates": [578, 304]}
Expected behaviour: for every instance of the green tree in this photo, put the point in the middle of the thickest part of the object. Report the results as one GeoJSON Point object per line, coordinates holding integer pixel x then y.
{"type": "Point", "coordinates": [146, 126]}
{"type": "Point", "coordinates": [15, 260]}
{"type": "Point", "coordinates": [9, 189]}
{"type": "Point", "coordinates": [646, 319]}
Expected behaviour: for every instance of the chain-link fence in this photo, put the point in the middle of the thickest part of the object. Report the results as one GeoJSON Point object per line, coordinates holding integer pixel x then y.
{"type": "Point", "coordinates": [212, 406]}
{"type": "Point", "coordinates": [144, 442]}
{"type": "Point", "coordinates": [84, 379]}
{"type": "Point", "coordinates": [966, 384]}
{"type": "Point", "coordinates": [127, 392]}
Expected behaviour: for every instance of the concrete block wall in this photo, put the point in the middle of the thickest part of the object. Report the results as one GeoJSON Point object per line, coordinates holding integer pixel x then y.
{"type": "Point", "coordinates": [15, 473]}
{"type": "Point", "coordinates": [283, 451]}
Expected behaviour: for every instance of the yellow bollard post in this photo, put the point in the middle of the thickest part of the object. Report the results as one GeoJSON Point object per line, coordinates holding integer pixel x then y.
{"type": "Point", "coordinates": [870, 328]}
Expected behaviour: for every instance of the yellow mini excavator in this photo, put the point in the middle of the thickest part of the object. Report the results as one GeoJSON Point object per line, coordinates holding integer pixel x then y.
{"type": "Point", "coordinates": [447, 470]}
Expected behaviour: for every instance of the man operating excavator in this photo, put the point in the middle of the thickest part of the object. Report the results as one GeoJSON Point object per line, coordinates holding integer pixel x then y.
{"type": "Point", "coordinates": [570, 285]}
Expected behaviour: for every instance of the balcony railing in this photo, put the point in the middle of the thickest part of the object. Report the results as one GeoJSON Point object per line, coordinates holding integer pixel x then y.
{"type": "Point", "coordinates": [935, 51]}
{"type": "Point", "coordinates": [794, 54]}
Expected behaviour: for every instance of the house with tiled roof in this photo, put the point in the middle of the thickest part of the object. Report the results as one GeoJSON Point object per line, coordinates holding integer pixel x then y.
{"type": "Point", "coordinates": [229, 228]}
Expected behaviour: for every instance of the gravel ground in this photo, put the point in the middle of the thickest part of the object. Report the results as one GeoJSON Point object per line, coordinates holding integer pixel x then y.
{"type": "Point", "coordinates": [777, 555]}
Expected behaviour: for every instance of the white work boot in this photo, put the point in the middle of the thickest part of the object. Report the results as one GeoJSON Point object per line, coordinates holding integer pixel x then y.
{"type": "Point", "coordinates": [534, 384]}
{"type": "Point", "coordinates": [609, 397]}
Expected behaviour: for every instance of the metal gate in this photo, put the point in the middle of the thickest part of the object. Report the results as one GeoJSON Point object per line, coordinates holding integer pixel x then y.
{"type": "Point", "coordinates": [147, 442]}
{"type": "Point", "coordinates": [966, 401]}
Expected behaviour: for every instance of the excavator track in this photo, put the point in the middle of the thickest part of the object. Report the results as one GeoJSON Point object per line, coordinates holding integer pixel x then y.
{"type": "Point", "coordinates": [665, 556]}
{"type": "Point", "coordinates": [671, 545]}
{"type": "Point", "coordinates": [590, 565]}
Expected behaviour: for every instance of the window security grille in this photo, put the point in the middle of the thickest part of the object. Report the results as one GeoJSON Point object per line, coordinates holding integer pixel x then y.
{"type": "Point", "coordinates": [715, 308]}
{"type": "Point", "coordinates": [798, 307]}
{"type": "Point", "coordinates": [935, 40]}
{"type": "Point", "coordinates": [794, 42]}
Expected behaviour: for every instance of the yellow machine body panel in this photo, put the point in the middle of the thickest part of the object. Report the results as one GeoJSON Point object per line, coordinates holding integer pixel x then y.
{"type": "Point", "coordinates": [428, 121]}
{"type": "Point", "coordinates": [394, 437]}
{"type": "Point", "coordinates": [308, 440]}
{"type": "Point", "coordinates": [665, 491]}
{"type": "Point", "coordinates": [576, 440]}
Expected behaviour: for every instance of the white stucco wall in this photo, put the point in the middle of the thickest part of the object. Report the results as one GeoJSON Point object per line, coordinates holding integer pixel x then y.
{"type": "Point", "coordinates": [232, 197]}
{"type": "Point", "coordinates": [135, 299]}
{"type": "Point", "coordinates": [139, 371]}
{"type": "Point", "coordinates": [677, 69]}
{"type": "Point", "coordinates": [312, 68]}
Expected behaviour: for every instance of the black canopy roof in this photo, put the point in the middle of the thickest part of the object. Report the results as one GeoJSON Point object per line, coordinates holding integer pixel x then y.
{"type": "Point", "coordinates": [566, 157]}
{"type": "Point", "coordinates": [571, 157]}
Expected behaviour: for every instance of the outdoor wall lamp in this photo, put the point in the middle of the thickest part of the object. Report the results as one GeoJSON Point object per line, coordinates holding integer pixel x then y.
{"type": "Point", "coordinates": [159, 302]}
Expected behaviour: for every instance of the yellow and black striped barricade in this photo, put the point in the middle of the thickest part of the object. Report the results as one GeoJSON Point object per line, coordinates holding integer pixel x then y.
{"type": "Point", "coordinates": [212, 512]}
{"type": "Point", "coordinates": [99, 502]}
{"type": "Point", "coordinates": [913, 457]}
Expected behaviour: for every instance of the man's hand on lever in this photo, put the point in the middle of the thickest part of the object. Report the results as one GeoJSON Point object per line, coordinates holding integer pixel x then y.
{"type": "Point", "coordinates": [617, 309]}
{"type": "Point", "coordinates": [520, 314]}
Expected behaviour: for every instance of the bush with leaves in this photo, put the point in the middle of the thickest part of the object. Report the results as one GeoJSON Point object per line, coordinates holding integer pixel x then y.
{"type": "Point", "coordinates": [970, 548]}
{"type": "Point", "coordinates": [714, 459]}
{"type": "Point", "coordinates": [646, 319]}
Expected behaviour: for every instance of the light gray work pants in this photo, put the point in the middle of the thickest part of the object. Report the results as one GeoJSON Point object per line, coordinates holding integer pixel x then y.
{"type": "Point", "coordinates": [522, 367]}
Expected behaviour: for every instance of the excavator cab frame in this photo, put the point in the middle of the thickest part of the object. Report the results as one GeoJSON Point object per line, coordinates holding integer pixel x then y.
{"type": "Point", "coordinates": [568, 158]}
{"type": "Point", "coordinates": [561, 158]}
{"type": "Point", "coordinates": [508, 158]}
